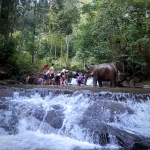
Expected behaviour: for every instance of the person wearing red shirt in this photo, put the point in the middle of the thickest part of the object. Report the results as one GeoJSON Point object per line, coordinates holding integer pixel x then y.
{"type": "Point", "coordinates": [45, 67]}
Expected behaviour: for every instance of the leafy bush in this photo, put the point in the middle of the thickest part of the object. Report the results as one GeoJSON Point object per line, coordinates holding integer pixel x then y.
{"type": "Point", "coordinates": [7, 49]}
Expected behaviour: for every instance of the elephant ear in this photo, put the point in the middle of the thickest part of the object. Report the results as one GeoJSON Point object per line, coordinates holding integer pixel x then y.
{"type": "Point", "coordinates": [91, 70]}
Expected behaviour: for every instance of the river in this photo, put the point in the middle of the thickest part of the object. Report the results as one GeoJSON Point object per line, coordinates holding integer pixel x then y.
{"type": "Point", "coordinates": [74, 118]}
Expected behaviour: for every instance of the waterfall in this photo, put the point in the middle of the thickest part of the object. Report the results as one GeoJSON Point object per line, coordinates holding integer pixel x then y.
{"type": "Point", "coordinates": [63, 119]}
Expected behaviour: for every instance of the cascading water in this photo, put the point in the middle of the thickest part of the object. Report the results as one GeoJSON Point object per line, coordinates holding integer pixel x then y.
{"type": "Point", "coordinates": [62, 119]}
{"type": "Point", "coordinates": [89, 81]}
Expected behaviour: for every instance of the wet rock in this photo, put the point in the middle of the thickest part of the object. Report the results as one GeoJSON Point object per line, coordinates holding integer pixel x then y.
{"type": "Point", "coordinates": [55, 117]}
{"type": "Point", "coordinates": [57, 122]}
{"type": "Point", "coordinates": [131, 82]}
{"type": "Point", "coordinates": [3, 83]}
{"type": "Point", "coordinates": [9, 125]}
{"type": "Point", "coordinates": [5, 92]}
{"type": "Point", "coordinates": [124, 84]}
{"type": "Point", "coordinates": [39, 114]}
{"type": "Point", "coordinates": [140, 146]}
{"type": "Point", "coordinates": [129, 140]}
{"type": "Point", "coordinates": [99, 114]}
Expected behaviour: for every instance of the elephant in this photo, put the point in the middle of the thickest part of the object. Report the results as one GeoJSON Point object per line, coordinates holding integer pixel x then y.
{"type": "Point", "coordinates": [101, 72]}
{"type": "Point", "coordinates": [33, 80]}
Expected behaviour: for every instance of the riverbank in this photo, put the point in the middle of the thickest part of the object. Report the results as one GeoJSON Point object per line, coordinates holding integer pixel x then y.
{"type": "Point", "coordinates": [138, 90]}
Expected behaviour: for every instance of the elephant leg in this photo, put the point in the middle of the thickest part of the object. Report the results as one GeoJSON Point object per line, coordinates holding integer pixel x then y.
{"type": "Point", "coordinates": [112, 83]}
{"type": "Point", "coordinates": [100, 83]}
{"type": "Point", "coordinates": [94, 81]}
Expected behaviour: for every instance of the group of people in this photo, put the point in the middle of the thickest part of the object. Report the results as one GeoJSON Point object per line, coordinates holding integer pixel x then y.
{"type": "Point", "coordinates": [49, 77]}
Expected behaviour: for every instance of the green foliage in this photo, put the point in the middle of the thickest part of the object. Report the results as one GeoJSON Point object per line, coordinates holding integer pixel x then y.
{"type": "Point", "coordinates": [120, 34]}
{"type": "Point", "coordinates": [34, 33]}
{"type": "Point", "coordinates": [7, 49]}
{"type": "Point", "coordinates": [67, 16]}
{"type": "Point", "coordinates": [75, 67]}
{"type": "Point", "coordinates": [20, 68]}
{"type": "Point", "coordinates": [31, 47]}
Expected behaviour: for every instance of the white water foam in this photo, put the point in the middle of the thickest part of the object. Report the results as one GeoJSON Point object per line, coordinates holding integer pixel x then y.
{"type": "Point", "coordinates": [139, 121]}
{"type": "Point", "coordinates": [74, 108]}
{"type": "Point", "coordinates": [89, 81]}
{"type": "Point", "coordinates": [36, 139]}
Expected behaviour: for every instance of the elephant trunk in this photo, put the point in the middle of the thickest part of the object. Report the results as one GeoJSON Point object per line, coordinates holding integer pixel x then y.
{"type": "Point", "coordinates": [85, 78]}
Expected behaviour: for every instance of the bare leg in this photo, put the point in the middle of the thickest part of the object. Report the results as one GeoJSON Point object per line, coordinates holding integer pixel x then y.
{"type": "Point", "coordinates": [61, 81]}
{"type": "Point", "coordinates": [52, 81]}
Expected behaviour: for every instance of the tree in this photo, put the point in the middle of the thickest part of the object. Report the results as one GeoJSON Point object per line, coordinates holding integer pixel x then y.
{"type": "Point", "coordinates": [120, 34]}
{"type": "Point", "coordinates": [63, 16]}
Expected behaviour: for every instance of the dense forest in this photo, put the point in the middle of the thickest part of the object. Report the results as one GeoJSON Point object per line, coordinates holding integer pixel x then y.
{"type": "Point", "coordinates": [73, 33]}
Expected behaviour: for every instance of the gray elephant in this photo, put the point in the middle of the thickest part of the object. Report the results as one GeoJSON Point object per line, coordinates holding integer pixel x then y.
{"type": "Point", "coordinates": [101, 72]}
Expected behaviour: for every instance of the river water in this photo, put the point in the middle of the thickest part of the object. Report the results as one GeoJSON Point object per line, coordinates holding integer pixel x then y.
{"type": "Point", "coordinates": [64, 119]}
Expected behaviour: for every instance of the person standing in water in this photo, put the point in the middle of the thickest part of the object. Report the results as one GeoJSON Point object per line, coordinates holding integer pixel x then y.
{"type": "Point", "coordinates": [62, 77]}
{"type": "Point", "coordinates": [27, 79]}
{"type": "Point", "coordinates": [80, 79]}
{"type": "Point", "coordinates": [51, 74]}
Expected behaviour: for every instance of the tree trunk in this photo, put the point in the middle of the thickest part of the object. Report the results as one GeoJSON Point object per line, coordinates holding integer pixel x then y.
{"type": "Point", "coordinates": [0, 7]}
{"type": "Point", "coordinates": [67, 50]}
{"type": "Point", "coordinates": [61, 55]}
{"type": "Point", "coordinates": [34, 32]}
{"type": "Point", "coordinates": [55, 51]}
{"type": "Point", "coordinates": [51, 45]}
